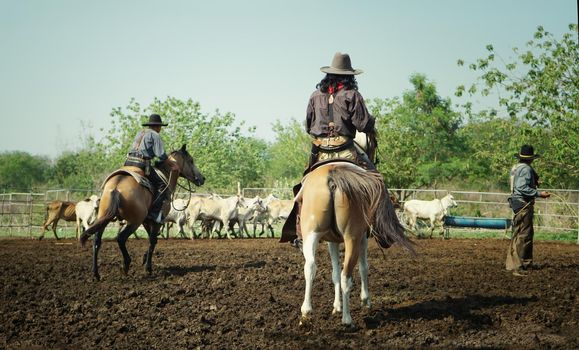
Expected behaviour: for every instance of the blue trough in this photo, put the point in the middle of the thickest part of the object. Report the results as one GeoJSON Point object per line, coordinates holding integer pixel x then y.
{"type": "Point", "coordinates": [476, 222]}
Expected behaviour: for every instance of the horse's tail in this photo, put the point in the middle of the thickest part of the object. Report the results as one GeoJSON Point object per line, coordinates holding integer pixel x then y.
{"type": "Point", "coordinates": [109, 214]}
{"type": "Point", "coordinates": [367, 190]}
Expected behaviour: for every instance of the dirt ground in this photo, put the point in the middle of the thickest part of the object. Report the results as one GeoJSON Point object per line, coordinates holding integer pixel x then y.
{"type": "Point", "coordinates": [246, 294]}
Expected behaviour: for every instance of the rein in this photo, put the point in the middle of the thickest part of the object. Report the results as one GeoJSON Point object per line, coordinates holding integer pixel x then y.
{"type": "Point", "coordinates": [177, 184]}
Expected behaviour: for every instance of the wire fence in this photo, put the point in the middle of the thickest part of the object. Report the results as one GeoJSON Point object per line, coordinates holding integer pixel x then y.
{"type": "Point", "coordinates": [557, 214]}
{"type": "Point", "coordinates": [22, 214]}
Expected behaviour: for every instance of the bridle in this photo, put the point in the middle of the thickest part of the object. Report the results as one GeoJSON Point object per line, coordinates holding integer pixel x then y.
{"type": "Point", "coordinates": [189, 190]}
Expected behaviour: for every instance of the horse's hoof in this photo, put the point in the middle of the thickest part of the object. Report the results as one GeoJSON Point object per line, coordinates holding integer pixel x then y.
{"type": "Point", "coordinates": [336, 311]}
{"type": "Point", "coordinates": [366, 303]}
{"type": "Point", "coordinates": [125, 268]}
{"type": "Point", "coordinates": [97, 278]}
{"type": "Point", "coordinates": [304, 321]}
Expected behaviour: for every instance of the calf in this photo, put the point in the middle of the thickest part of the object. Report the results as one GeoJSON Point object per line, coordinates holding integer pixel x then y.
{"type": "Point", "coordinates": [434, 210]}
{"type": "Point", "coordinates": [55, 211]}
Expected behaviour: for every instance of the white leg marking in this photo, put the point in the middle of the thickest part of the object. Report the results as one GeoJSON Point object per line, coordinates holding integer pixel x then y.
{"type": "Point", "coordinates": [363, 268]}
{"type": "Point", "coordinates": [309, 250]}
{"type": "Point", "coordinates": [346, 290]}
{"type": "Point", "coordinates": [334, 249]}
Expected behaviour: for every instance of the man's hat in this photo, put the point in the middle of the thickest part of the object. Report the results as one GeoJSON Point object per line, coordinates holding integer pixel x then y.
{"type": "Point", "coordinates": [527, 152]}
{"type": "Point", "coordinates": [155, 120]}
{"type": "Point", "coordinates": [341, 65]}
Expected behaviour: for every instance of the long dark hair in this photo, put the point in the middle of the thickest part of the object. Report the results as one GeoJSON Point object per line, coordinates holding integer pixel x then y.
{"type": "Point", "coordinates": [349, 82]}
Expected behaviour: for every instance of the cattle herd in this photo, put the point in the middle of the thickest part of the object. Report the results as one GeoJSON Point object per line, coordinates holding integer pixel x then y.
{"type": "Point", "coordinates": [210, 215]}
{"type": "Point", "coordinates": [199, 215]}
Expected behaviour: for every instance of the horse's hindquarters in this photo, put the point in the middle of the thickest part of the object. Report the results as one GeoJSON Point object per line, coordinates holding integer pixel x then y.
{"type": "Point", "coordinates": [134, 199]}
{"type": "Point", "coordinates": [316, 211]}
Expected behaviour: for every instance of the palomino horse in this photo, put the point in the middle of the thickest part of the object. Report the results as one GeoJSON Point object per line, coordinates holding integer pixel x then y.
{"type": "Point", "coordinates": [342, 202]}
{"type": "Point", "coordinates": [125, 199]}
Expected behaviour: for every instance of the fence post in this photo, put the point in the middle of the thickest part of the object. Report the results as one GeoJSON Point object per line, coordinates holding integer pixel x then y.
{"type": "Point", "coordinates": [30, 215]}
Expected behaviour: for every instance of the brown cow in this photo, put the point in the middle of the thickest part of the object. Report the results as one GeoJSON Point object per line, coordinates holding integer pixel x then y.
{"type": "Point", "coordinates": [55, 211]}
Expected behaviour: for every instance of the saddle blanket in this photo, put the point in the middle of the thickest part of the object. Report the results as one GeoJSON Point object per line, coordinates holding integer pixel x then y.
{"type": "Point", "coordinates": [136, 173]}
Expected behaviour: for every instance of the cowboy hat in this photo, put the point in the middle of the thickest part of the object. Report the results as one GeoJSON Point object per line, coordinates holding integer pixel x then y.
{"type": "Point", "coordinates": [155, 120]}
{"type": "Point", "coordinates": [341, 65]}
{"type": "Point", "coordinates": [527, 152]}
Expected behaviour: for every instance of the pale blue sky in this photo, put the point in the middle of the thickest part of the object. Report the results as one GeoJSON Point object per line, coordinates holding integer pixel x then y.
{"type": "Point", "coordinates": [68, 63]}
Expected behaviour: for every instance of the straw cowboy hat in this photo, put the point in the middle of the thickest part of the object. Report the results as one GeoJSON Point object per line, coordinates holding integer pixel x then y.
{"type": "Point", "coordinates": [341, 65]}
{"type": "Point", "coordinates": [527, 152]}
{"type": "Point", "coordinates": [155, 120]}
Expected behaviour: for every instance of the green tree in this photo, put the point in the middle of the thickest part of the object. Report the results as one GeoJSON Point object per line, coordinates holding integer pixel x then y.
{"type": "Point", "coordinates": [20, 171]}
{"type": "Point", "coordinates": [538, 93]}
{"type": "Point", "coordinates": [288, 154]}
{"type": "Point", "coordinates": [221, 151]}
{"type": "Point", "coordinates": [419, 143]}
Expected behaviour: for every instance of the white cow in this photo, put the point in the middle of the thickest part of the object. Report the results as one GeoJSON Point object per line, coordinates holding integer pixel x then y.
{"type": "Point", "coordinates": [434, 210]}
{"type": "Point", "coordinates": [177, 215]}
{"type": "Point", "coordinates": [222, 210]}
{"type": "Point", "coordinates": [249, 209]}
{"type": "Point", "coordinates": [276, 209]}
{"type": "Point", "coordinates": [86, 213]}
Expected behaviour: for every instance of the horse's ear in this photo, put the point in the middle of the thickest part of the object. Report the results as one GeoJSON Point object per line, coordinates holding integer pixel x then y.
{"type": "Point", "coordinates": [184, 147]}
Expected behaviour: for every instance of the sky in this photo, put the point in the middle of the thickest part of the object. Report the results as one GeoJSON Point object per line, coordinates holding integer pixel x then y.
{"type": "Point", "coordinates": [64, 65]}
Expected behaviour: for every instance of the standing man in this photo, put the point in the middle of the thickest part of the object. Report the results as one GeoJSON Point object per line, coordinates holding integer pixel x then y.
{"type": "Point", "coordinates": [146, 147]}
{"type": "Point", "coordinates": [524, 183]}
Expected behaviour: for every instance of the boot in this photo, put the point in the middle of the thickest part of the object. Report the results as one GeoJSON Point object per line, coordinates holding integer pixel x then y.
{"type": "Point", "coordinates": [156, 211]}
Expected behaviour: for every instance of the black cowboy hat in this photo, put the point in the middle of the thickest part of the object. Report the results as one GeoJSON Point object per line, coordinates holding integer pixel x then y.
{"type": "Point", "coordinates": [527, 152]}
{"type": "Point", "coordinates": [341, 65]}
{"type": "Point", "coordinates": [155, 120]}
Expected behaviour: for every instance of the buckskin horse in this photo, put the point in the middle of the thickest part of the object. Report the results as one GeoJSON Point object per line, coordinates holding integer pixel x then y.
{"type": "Point", "coordinates": [124, 198]}
{"type": "Point", "coordinates": [342, 202]}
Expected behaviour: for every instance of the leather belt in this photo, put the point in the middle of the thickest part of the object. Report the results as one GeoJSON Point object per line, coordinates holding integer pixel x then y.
{"type": "Point", "coordinates": [327, 142]}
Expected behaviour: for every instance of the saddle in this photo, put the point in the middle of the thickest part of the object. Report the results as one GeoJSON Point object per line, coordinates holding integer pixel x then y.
{"type": "Point", "coordinates": [137, 174]}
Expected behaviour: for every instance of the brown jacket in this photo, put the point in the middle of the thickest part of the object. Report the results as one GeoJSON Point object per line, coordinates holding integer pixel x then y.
{"type": "Point", "coordinates": [350, 114]}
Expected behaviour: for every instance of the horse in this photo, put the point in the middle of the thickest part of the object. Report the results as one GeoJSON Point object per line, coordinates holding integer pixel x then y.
{"type": "Point", "coordinates": [434, 210]}
{"type": "Point", "coordinates": [124, 198]}
{"type": "Point", "coordinates": [342, 202]}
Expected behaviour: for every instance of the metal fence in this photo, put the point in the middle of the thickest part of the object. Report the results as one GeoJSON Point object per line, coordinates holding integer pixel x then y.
{"type": "Point", "coordinates": [24, 213]}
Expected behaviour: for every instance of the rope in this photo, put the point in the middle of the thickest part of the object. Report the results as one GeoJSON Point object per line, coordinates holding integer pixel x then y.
{"type": "Point", "coordinates": [564, 201]}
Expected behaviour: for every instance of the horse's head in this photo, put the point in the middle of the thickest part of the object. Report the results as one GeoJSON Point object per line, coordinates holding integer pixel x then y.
{"type": "Point", "coordinates": [187, 168]}
{"type": "Point", "coordinates": [368, 142]}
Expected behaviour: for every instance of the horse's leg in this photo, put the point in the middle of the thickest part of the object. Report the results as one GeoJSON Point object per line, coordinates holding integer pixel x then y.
{"type": "Point", "coordinates": [96, 247]}
{"type": "Point", "coordinates": [363, 269]}
{"type": "Point", "coordinates": [334, 249]}
{"type": "Point", "coordinates": [152, 230]}
{"type": "Point", "coordinates": [309, 250]}
{"type": "Point", "coordinates": [351, 254]}
{"type": "Point", "coordinates": [122, 237]}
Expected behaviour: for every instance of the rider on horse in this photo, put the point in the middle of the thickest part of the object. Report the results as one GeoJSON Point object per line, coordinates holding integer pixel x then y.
{"type": "Point", "coordinates": [336, 110]}
{"type": "Point", "coordinates": [146, 147]}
